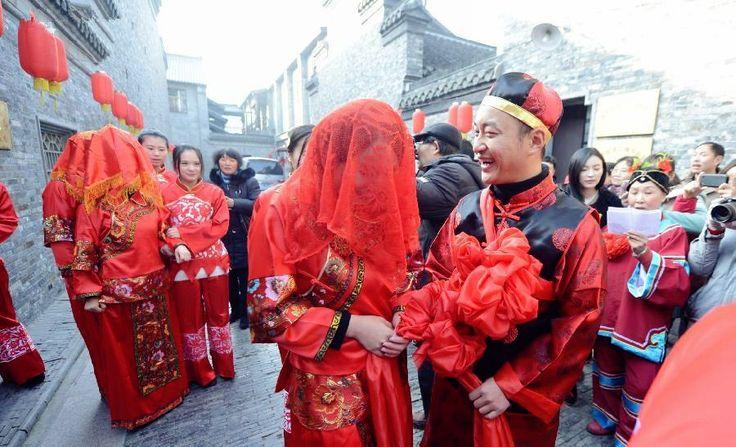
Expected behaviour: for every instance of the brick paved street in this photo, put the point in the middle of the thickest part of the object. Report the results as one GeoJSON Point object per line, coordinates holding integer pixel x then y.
{"type": "Point", "coordinates": [241, 412]}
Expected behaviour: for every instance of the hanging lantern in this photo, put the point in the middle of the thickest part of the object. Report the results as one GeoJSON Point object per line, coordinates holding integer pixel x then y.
{"type": "Point", "coordinates": [141, 121]}
{"type": "Point", "coordinates": [130, 117]}
{"type": "Point", "coordinates": [417, 120]}
{"type": "Point", "coordinates": [2, 22]}
{"type": "Point", "coordinates": [120, 107]}
{"type": "Point", "coordinates": [452, 114]}
{"type": "Point", "coordinates": [37, 53]}
{"type": "Point", "coordinates": [62, 71]}
{"type": "Point", "coordinates": [464, 117]}
{"type": "Point", "coordinates": [102, 90]}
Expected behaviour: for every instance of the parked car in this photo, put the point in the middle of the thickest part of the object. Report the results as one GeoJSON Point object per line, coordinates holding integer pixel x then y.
{"type": "Point", "coordinates": [268, 171]}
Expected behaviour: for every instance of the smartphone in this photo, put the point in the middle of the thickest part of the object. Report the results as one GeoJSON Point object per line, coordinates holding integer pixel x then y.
{"type": "Point", "coordinates": [713, 180]}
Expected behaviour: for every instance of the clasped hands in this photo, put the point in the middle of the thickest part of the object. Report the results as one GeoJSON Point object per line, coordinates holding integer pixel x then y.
{"type": "Point", "coordinates": [377, 335]}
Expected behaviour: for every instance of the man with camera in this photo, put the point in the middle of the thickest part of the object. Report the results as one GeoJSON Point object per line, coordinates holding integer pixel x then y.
{"type": "Point", "coordinates": [713, 256]}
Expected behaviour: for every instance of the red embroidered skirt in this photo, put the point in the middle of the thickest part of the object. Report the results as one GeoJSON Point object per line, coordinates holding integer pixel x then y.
{"type": "Point", "coordinates": [19, 359]}
{"type": "Point", "coordinates": [142, 361]}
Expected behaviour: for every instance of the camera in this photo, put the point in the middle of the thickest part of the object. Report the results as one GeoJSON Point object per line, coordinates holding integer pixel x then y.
{"type": "Point", "coordinates": [725, 211]}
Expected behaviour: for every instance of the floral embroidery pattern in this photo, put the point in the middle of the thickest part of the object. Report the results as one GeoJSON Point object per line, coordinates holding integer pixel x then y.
{"type": "Point", "coordinates": [546, 202]}
{"type": "Point", "coordinates": [215, 251]}
{"type": "Point", "coordinates": [273, 306]}
{"type": "Point", "coordinates": [561, 238]}
{"type": "Point", "coordinates": [157, 361]}
{"type": "Point", "coordinates": [14, 342]}
{"type": "Point", "coordinates": [195, 346]}
{"type": "Point", "coordinates": [124, 219]}
{"type": "Point", "coordinates": [287, 413]}
{"type": "Point", "coordinates": [85, 256]}
{"type": "Point", "coordinates": [220, 341]}
{"type": "Point", "coordinates": [189, 210]}
{"type": "Point", "coordinates": [323, 402]}
{"type": "Point", "coordinates": [121, 290]}
{"type": "Point", "coordinates": [57, 229]}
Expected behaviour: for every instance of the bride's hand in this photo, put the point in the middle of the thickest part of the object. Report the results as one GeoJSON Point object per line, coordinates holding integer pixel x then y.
{"type": "Point", "coordinates": [371, 331]}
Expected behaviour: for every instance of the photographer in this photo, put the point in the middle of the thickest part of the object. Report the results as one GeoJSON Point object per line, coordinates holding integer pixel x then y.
{"type": "Point", "coordinates": [713, 255]}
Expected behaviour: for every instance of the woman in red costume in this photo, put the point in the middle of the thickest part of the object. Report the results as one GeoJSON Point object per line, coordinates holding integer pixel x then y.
{"type": "Point", "coordinates": [199, 218]}
{"type": "Point", "coordinates": [118, 227]}
{"type": "Point", "coordinates": [61, 197]}
{"type": "Point", "coordinates": [20, 362]}
{"type": "Point", "coordinates": [328, 253]}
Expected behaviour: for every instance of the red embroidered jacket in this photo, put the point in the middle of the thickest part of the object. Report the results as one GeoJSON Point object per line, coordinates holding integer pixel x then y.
{"type": "Point", "coordinates": [116, 253]}
{"type": "Point", "coordinates": [202, 217]}
{"type": "Point", "coordinates": [165, 177]}
{"type": "Point", "coordinates": [640, 301]}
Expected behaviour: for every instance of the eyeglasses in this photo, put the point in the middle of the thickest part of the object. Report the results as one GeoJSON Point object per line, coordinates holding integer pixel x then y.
{"type": "Point", "coordinates": [417, 144]}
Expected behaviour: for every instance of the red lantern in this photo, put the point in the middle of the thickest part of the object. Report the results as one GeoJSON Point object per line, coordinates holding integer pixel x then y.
{"type": "Point", "coordinates": [102, 89]}
{"type": "Point", "coordinates": [417, 120]}
{"type": "Point", "coordinates": [464, 117]}
{"type": "Point", "coordinates": [452, 114]}
{"type": "Point", "coordinates": [141, 121]}
{"type": "Point", "coordinates": [37, 53]}
{"type": "Point", "coordinates": [62, 72]}
{"type": "Point", "coordinates": [120, 107]}
{"type": "Point", "coordinates": [2, 22]}
{"type": "Point", "coordinates": [130, 116]}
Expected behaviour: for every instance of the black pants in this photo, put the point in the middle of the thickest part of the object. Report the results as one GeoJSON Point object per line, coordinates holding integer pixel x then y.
{"type": "Point", "coordinates": [425, 374]}
{"type": "Point", "coordinates": [238, 287]}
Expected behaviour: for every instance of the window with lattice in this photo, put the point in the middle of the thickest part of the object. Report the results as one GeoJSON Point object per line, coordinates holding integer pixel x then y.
{"type": "Point", "coordinates": [53, 140]}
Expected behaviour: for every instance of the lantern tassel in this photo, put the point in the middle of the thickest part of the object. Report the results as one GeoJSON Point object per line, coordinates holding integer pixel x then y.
{"type": "Point", "coordinates": [55, 88]}
{"type": "Point", "coordinates": [105, 107]}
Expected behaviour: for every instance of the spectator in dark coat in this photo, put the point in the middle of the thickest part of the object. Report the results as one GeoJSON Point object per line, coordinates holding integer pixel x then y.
{"type": "Point", "coordinates": [241, 190]}
{"type": "Point", "coordinates": [444, 177]}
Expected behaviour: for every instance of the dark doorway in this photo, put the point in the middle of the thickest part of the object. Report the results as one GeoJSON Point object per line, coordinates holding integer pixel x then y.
{"type": "Point", "coordinates": [570, 136]}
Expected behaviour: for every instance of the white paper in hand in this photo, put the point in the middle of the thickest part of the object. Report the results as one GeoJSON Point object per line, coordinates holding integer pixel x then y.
{"type": "Point", "coordinates": [646, 222]}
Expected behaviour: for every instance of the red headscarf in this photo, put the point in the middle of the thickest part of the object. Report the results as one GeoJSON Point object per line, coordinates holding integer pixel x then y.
{"type": "Point", "coordinates": [356, 183]}
{"type": "Point", "coordinates": [72, 163]}
{"type": "Point", "coordinates": [117, 166]}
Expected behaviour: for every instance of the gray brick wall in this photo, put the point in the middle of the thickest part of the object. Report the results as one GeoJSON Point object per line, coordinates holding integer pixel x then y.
{"type": "Point", "coordinates": [136, 63]}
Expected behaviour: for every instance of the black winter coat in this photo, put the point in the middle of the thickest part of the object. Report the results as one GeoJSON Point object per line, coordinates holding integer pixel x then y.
{"type": "Point", "coordinates": [244, 190]}
{"type": "Point", "coordinates": [440, 186]}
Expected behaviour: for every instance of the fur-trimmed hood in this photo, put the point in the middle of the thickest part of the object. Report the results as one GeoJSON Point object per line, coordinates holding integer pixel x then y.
{"type": "Point", "coordinates": [239, 177]}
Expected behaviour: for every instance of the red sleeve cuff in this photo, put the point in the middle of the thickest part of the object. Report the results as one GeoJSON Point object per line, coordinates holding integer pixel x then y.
{"type": "Point", "coordinates": [537, 404]}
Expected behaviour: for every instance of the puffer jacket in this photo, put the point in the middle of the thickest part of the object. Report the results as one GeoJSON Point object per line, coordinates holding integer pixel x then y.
{"type": "Point", "coordinates": [244, 190]}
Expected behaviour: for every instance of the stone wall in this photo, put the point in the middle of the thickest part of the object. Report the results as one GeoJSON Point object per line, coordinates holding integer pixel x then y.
{"type": "Point", "coordinates": [135, 62]}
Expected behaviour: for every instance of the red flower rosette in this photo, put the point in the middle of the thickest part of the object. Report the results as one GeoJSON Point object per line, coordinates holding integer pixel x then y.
{"type": "Point", "coordinates": [493, 289]}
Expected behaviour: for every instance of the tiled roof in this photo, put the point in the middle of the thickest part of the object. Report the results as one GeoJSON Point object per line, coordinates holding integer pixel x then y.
{"type": "Point", "coordinates": [188, 69]}
{"type": "Point", "coordinates": [436, 87]}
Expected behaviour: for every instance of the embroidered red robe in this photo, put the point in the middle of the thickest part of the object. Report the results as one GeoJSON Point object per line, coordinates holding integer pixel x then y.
{"type": "Point", "coordinates": [116, 260]}
{"type": "Point", "coordinates": [637, 315]}
{"type": "Point", "coordinates": [19, 359]}
{"type": "Point", "coordinates": [59, 212]}
{"type": "Point", "coordinates": [344, 396]}
{"type": "Point", "coordinates": [538, 367]}
{"type": "Point", "coordinates": [201, 288]}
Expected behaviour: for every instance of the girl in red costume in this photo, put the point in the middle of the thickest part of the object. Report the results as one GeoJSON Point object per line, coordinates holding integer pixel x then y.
{"type": "Point", "coordinates": [20, 362]}
{"type": "Point", "coordinates": [157, 146]}
{"type": "Point", "coordinates": [199, 218]}
{"type": "Point", "coordinates": [118, 273]}
{"type": "Point", "coordinates": [328, 253]}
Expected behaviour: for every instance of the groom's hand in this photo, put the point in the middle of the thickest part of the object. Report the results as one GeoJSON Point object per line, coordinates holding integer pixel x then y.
{"type": "Point", "coordinates": [394, 346]}
{"type": "Point", "coordinates": [489, 399]}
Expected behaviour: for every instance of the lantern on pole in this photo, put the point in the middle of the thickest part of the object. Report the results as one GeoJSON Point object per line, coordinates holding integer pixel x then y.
{"type": "Point", "coordinates": [120, 107]}
{"type": "Point", "coordinates": [464, 117]}
{"type": "Point", "coordinates": [37, 53]}
{"type": "Point", "coordinates": [417, 120]}
{"type": "Point", "coordinates": [130, 117]}
{"type": "Point", "coordinates": [452, 114]}
{"type": "Point", "coordinates": [62, 70]}
{"type": "Point", "coordinates": [102, 90]}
